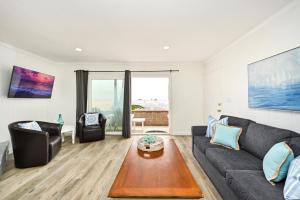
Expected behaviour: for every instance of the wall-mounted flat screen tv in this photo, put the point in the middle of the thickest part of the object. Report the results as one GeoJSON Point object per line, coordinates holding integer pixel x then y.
{"type": "Point", "coordinates": [26, 83]}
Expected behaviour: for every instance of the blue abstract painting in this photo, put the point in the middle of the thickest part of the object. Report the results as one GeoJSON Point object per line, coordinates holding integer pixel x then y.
{"type": "Point", "coordinates": [274, 83]}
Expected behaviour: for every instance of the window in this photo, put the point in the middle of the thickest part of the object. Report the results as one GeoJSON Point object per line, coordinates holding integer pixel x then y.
{"type": "Point", "coordinates": [107, 98]}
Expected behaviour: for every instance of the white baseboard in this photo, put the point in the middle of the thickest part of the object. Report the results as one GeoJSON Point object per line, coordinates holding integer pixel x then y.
{"type": "Point", "coordinates": [183, 133]}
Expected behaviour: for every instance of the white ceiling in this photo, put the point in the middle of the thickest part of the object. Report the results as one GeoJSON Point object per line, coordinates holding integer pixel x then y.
{"type": "Point", "coordinates": [129, 30]}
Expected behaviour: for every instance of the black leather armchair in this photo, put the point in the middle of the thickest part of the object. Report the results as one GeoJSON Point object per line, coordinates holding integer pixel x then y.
{"type": "Point", "coordinates": [34, 148]}
{"type": "Point", "coordinates": [90, 133]}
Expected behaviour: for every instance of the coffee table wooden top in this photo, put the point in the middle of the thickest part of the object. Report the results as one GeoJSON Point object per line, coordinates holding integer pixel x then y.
{"type": "Point", "coordinates": [162, 174]}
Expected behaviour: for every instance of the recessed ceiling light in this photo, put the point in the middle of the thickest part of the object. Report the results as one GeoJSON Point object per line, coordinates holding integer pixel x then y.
{"type": "Point", "coordinates": [78, 49]}
{"type": "Point", "coordinates": [166, 47]}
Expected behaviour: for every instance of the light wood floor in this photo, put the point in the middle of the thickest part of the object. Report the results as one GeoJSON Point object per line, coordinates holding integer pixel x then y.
{"type": "Point", "coordinates": [85, 171]}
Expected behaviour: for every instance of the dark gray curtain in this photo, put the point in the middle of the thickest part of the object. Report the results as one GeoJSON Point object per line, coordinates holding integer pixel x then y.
{"type": "Point", "coordinates": [126, 125]}
{"type": "Point", "coordinates": [81, 92]}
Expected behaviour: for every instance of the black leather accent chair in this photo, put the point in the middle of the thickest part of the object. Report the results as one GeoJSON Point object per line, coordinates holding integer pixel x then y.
{"type": "Point", "coordinates": [90, 133]}
{"type": "Point", "coordinates": [34, 148]}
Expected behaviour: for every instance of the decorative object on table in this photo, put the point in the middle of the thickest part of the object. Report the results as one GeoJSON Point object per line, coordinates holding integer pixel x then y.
{"type": "Point", "coordinates": [92, 132]}
{"type": "Point", "coordinates": [292, 184]}
{"type": "Point", "coordinates": [277, 161]}
{"type": "Point", "coordinates": [150, 143]}
{"type": "Point", "coordinates": [26, 83]}
{"type": "Point", "coordinates": [227, 136]}
{"type": "Point", "coordinates": [34, 148]}
{"type": "Point", "coordinates": [60, 120]}
{"type": "Point", "coordinates": [211, 126]}
{"type": "Point", "coordinates": [274, 82]}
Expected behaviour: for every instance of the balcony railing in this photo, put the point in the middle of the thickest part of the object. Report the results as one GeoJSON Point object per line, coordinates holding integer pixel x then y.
{"type": "Point", "coordinates": [153, 117]}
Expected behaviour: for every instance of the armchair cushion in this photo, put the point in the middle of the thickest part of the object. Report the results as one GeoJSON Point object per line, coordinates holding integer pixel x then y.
{"type": "Point", "coordinates": [93, 129]}
{"type": "Point", "coordinates": [92, 133]}
{"type": "Point", "coordinates": [30, 125]}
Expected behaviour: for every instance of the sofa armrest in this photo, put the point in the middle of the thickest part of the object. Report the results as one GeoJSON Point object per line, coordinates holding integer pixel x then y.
{"type": "Point", "coordinates": [199, 130]}
{"type": "Point", "coordinates": [52, 128]}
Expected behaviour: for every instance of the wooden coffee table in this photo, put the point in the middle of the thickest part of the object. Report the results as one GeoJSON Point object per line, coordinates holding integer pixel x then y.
{"type": "Point", "coordinates": [161, 174]}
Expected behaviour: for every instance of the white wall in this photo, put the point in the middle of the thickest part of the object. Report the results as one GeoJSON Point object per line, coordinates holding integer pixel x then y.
{"type": "Point", "coordinates": [26, 109]}
{"type": "Point", "coordinates": [187, 90]}
{"type": "Point", "coordinates": [226, 73]}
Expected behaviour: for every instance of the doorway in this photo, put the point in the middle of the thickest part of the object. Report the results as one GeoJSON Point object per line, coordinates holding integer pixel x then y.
{"type": "Point", "coordinates": [150, 105]}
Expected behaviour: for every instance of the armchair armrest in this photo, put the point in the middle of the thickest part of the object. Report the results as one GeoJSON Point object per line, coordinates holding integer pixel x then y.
{"type": "Point", "coordinates": [199, 130]}
{"type": "Point", "coordinates": [52, 128]}
{"type": "Point", "coordinates": [102, 121]}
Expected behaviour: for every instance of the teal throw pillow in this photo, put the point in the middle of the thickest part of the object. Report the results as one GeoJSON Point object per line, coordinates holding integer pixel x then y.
{"type": "Point", "coordinates": [277, 161]}
{"type": "Point", "coordinates": [227, 136]}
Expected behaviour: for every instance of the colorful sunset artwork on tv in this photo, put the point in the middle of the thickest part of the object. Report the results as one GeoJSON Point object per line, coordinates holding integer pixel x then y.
{"type": "Point", "coordinates": [26, 83]}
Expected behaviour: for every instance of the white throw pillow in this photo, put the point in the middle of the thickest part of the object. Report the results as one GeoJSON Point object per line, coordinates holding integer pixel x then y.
{"type": "Point", "coordinates": [91, 119]}
{"type": "Point", "coordinates": [30, 125]}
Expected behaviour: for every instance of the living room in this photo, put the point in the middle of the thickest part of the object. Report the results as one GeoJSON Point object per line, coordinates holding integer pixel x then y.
{"type": "Point", "coordinates": [207, 50]}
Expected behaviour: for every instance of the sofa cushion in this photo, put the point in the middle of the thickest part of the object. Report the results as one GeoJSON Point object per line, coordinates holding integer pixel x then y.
{"type": "Point", "coordinates": [202, 143]}
{"type": "Point", "coordinates": [252, 185]}
{"type": "Point", "coordinates": [294, 144]}
{"type": "Point", "coordinates": [228, 159]}
{"type": "Point", "coordinates": [239, 122]}
{"type": "Point", "coordinates": [260, 138]}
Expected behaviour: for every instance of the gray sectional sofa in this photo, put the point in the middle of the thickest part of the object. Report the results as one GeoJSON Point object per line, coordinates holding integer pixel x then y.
{"type": "Point", "coordinates": [238, 175]}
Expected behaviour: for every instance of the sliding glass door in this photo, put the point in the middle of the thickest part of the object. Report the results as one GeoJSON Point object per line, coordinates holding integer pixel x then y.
{"type": "Point", "coordinates": [150, 103]}
{"type": "Point", "coordinates": [106, 97]}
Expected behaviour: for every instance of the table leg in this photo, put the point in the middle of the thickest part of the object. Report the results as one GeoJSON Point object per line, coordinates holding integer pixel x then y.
{"type": "Point", "coordinates": [62, 137]}
{"type": "Point", "coordinates": [73, 137]}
